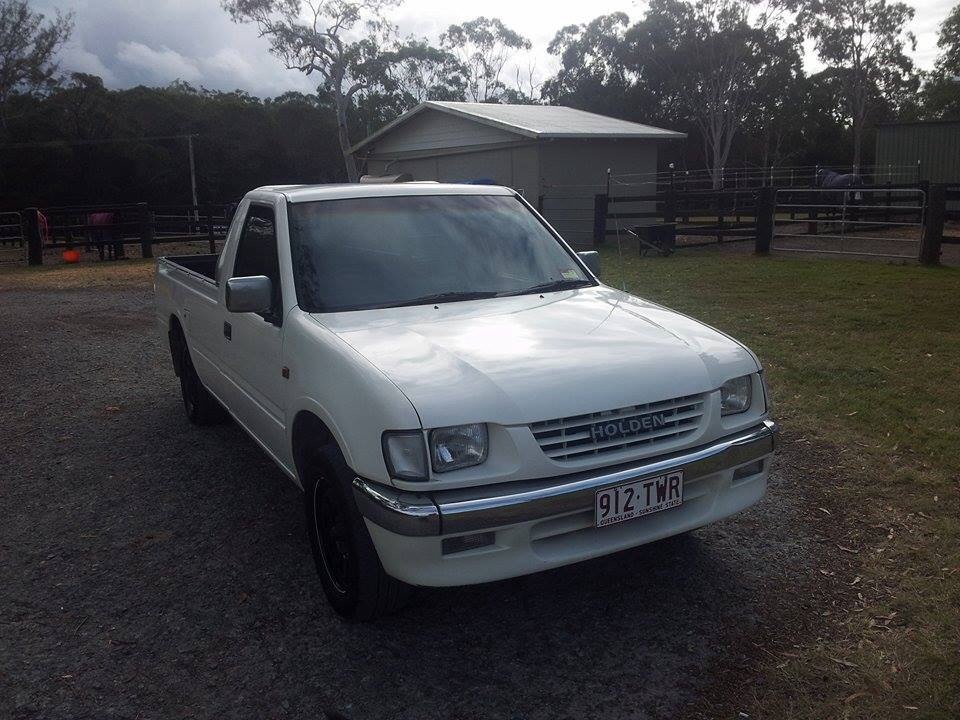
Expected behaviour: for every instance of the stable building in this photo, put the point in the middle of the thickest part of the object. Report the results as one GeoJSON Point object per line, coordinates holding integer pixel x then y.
{"type": "Point", "coordinates": [539, 150]}
{"type": "Point", "coordinates": [919, 151]}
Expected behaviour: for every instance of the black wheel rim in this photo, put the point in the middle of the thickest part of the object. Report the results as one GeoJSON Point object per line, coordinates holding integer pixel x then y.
{"type": "Point", "coordinates": [333, 536]}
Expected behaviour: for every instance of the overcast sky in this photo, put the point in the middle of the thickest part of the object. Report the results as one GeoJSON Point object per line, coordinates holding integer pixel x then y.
{"type": "Point", "coordinates": [153, 42]}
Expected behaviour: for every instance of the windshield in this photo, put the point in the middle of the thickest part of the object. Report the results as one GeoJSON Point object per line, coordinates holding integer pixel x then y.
{"type": "Point", "coordinates": [371, 252]}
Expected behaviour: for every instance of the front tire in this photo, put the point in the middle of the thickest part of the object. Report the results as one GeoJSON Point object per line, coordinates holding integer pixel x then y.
{"type": "Point", "coordinates": [354, 581]}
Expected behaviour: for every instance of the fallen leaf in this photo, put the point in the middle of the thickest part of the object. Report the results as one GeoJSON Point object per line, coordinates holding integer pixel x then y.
{"type": "Point", "coordinates": [845, 663]}
{"type": "Point", "coordinates": [112, 408]}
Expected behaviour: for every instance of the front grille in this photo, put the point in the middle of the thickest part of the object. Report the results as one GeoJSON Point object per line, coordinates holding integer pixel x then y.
{"type": "Point", "coordinates": [571, 438]}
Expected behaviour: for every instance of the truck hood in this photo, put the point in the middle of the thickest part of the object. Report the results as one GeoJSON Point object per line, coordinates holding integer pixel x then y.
{"type": "Point", "coordinates": [517, 360]}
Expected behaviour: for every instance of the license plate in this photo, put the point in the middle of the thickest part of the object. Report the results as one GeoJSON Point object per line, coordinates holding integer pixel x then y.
{"type": "Point", "coordinates": [638, 498]}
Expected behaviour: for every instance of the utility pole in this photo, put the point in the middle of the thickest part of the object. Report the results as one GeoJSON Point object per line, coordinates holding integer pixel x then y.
{"type": "Point", "coordinates": [193, 169]}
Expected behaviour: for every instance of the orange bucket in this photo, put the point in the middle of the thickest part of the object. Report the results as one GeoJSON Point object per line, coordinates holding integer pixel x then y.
{"type": "Point", "coordinates": [71, 256]}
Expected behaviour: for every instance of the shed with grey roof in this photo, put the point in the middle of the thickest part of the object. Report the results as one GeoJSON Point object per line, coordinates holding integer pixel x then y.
{"type": "Point", "coordinates": [539, 150]}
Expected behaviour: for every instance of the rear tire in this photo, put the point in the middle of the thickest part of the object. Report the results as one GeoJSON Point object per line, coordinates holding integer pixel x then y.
{"type": "Point", "coordinates": [353, 579]}
{"type": "Point", "coordinates": [200, 406]}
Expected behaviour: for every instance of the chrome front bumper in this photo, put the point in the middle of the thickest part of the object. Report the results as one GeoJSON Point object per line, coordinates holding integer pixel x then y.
{"type": "Point", "coordinates": [450, 512]}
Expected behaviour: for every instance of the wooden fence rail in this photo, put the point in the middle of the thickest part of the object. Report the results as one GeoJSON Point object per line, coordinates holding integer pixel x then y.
{"type": "Point", "coordinates": [756, 213]}
{"type": "Point", "coordinates": [708, 213]}
{"type": "Point", "coordinates": [116, 226]}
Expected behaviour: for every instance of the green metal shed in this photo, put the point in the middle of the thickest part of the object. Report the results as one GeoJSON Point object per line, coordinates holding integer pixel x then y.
{"type": "Point", "coordinates": [916, 151]}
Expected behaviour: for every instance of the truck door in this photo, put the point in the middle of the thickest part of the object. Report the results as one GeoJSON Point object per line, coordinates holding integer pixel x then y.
{"type": "Point", "coordinates": [254, 340]}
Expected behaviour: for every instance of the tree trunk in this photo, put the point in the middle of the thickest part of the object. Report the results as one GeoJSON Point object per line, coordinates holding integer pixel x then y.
{"type": "Point", "coordinates": [343, 134]}
{"type": "Point", "coordinates": [857, 142]}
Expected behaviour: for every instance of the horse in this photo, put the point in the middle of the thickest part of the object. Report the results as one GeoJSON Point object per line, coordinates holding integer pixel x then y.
{"type": "Point", "coordinates": [103, 233]}
{"type": "Point", "coordinates": [831, 179]}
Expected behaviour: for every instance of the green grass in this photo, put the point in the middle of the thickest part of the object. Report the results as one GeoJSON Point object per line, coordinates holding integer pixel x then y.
{"type": "Point", "coordinates": [88, 274]}
{"type": "Point", "coordinates": [862, 357]}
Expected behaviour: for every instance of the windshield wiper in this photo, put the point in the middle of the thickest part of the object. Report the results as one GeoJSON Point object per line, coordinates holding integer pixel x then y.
{"type": "Point", "coordinates": [551, 286]}
{"type": "Point", "coordinates": [452, 296]}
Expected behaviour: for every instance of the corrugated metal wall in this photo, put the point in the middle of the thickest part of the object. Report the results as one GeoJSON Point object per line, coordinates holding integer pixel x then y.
{"type": "Point", "coordinates": [936, 145]}
{"type": "Point", "coordinates": [575, 171]}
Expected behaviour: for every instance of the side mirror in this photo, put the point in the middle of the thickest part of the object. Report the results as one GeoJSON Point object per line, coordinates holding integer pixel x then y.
{"type": "Point", "coordinates": [591, 258]}
{"type": "Point", "coordinates": [250, 294]}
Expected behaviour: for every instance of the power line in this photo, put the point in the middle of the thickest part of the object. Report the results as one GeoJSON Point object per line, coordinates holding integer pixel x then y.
{"type": "Point", "coordinates": [105, 141]}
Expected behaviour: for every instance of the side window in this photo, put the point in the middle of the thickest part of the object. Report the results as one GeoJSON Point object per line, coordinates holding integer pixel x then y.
{"type": "Point", "coordinates": [257, 251]}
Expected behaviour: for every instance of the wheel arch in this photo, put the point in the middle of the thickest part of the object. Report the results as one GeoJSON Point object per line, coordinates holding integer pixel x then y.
{"type": "Point", "coordinates": [177, 340]}
{"type": "Point", "coordinates": [309, 433]}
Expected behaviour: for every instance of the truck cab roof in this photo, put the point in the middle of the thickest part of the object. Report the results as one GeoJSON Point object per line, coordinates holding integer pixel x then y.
{"type": "Point", "coordinates": [313, 193]}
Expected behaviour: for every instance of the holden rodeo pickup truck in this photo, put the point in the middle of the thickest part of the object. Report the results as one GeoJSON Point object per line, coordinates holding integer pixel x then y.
{"type": "Point", "coordinates": [458, 395]}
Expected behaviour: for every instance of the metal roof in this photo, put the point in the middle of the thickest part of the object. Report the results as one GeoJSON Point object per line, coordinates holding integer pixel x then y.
{"type": "Point", "coordinates": [535, 121]}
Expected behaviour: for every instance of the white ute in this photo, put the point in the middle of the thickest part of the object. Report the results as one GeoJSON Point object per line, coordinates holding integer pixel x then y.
{"type": "Point", "coordinates": [458, 395]}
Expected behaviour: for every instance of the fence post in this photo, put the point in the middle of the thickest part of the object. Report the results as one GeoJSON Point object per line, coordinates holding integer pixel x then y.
{"type": "Point", "coordinates": [146, 231]}
{"type": "Point", "coordinates": [766, 209]}
{"type": "Point", "coordinates": [936, 202]}
{"type": "Point", "coordinates": [670, 206]}
{"type": "Point", "coordinates": [213, 243]}
{"type": "Point", "coordinates": [720, 218]}
{"type": "Point", "coordinates": [812, 225]}
{"type": "Point", "coordinates": [600, 206]}
{"type": "Point", "coordinates": [31, 230]}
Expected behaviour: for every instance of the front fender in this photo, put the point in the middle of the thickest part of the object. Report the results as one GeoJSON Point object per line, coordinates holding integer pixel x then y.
{"type": "Point", "coordinates": [352, 397]}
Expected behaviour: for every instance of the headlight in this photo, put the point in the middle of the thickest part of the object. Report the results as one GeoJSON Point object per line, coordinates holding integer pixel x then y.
{"type": "Point", "coordinates": [459, 446]}
{"type": "Point", "coordinates": [735, 395]}
{"type": "Point", "coordinates": [405, 455]}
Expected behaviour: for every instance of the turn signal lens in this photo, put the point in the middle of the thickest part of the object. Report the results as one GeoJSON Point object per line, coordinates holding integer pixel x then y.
{"type": "Point", "coordinates": [405, 454]}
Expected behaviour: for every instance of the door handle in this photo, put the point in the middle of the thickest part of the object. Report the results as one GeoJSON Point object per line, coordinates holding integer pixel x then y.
{"type": "Point", "coordinates": [227, 331]}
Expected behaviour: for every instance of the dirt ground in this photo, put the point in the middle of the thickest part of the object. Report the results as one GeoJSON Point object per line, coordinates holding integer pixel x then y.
{"type": "Point", "coordinates": [152, 569]}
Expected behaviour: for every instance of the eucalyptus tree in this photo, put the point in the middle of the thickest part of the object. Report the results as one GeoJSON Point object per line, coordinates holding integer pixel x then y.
{"type": "Point", "coordinates": [864, 43]}
{"type": "Point", "coordinates": [483, 47]}
{"type": "Point", "coordinates": [592, 73]}
{"type": "Point", "coordinates": [941, 93]}
{"type": "Point", "coordinates": [419, 71]}
{"type": "Point", "coordinates": [28, 50]}
{"type": "Point", "coordinates": [716, 62]}
{"type": "Point", "coordinates": [341, 42]}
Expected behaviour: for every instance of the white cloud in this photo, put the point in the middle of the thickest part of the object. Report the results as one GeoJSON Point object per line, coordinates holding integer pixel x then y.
{"type": "Point", "coordinates": [229, 68]}
{"type": "Point", "coordinates": [74, 58]}
{"type": "Point", "coordinates": [129, 42]}
{"type": "Point", "coordinates": [165, 65]}
{"type": "Point", "coordinates": [230, 61]}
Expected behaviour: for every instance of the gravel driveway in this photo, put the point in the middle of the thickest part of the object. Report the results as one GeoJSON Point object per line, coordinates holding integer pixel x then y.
{"type": "Point", "coordinates": [151, 569]}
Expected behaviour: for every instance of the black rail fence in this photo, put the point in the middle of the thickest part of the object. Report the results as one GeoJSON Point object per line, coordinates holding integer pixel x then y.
{"type": "Point", "coordinates": [746, 178]}
{"type": "Point", "coordinates": [951, 200]}
{"type": "Point", "coordinates": [11, 229]}
{"type": "Point", "coordinates": [110, 228]}
{"type": "Point", "coordinates": [863, 219]}
{"type": "Point", "coordinates": [725, 215]}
